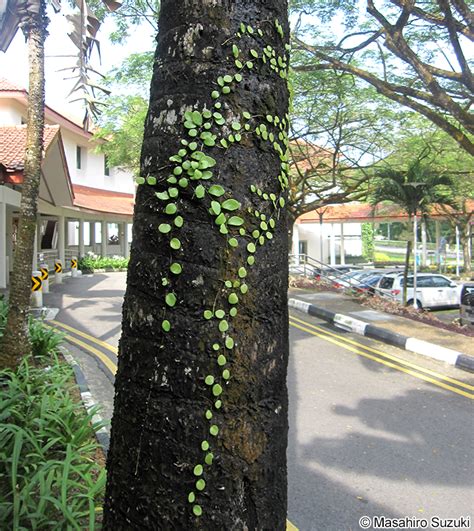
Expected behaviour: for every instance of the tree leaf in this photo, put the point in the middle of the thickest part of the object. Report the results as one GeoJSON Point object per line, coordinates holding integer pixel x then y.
{"type": "Point", "coordinates": [235, 221]}
{"type": "Point", "coordinates": [170, 299]}
{"type": "Point", "coordinates": [164, 228]}
{"type": "Point", "coordinates": [216, 190]}
{"type": "Point", "coordinates": [231, 204]}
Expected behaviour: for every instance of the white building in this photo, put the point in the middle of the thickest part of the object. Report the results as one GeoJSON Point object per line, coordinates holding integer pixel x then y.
{"type": "Point", "coordinates": [84, 205]}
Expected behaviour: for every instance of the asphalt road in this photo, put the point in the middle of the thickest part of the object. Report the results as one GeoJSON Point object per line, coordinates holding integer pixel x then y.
{"type": "Point", "coordinates": [373, 430]}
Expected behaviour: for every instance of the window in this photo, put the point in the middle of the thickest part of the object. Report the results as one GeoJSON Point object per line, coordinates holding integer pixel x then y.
{"type": "Point", "coordinates": [106, 166]}
{"type": "Point", "coordinates": [78, 157]}
{"type": "Point", "coordinates": [386, 283]}
{"type": "Point", "coordinates": [303, 247]}
{"type": "Point", "coordinates": [441, 282]}
{"type": "Point", "coordinates": [424, 282]}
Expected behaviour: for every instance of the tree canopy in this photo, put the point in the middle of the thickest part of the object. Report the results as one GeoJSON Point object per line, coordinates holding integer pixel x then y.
{"type": "Point", "coordinates": [414, 53]}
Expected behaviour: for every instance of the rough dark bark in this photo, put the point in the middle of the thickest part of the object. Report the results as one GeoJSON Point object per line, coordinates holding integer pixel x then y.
{"type": "Point", "coordinates": [15, 342]}
{"type": "Point", "coordinates": [162, 397]}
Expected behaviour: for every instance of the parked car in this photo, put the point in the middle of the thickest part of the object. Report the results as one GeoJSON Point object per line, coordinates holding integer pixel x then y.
{"type": "Point", "coordinates": [432, 290]}
{"type": "Point", "coordinates": [466, 308]}
{"type": "Point", "coordinates": [353, 278]}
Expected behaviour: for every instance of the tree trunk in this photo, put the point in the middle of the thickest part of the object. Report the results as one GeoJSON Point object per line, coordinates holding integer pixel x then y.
{"type": "Point", "coordinates": [465, 237]}
{"type": "Point", "coordinates": [15, 341]}
{"type": "Point", "coordinates": [199, 430]}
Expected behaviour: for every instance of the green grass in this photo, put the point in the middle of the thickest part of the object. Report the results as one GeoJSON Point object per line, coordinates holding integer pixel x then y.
{"type": "Point", "coordinates": [90, 264]}
{"type": "Point", "coordinates": [49, 478]}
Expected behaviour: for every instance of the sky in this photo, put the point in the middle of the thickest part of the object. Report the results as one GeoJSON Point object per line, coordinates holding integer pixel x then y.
{"type": "Point", "coordinates": [14, 62]}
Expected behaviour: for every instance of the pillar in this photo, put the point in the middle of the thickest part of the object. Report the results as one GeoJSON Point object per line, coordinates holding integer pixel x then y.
{"type": "Point", "coordinates": [424, 249]}
{"type": "Point", "coordinates": [104, 238]}
{"type": "Point", "coordinates": [3, 245]}
{"type": "Point", "coordinates": [35, 249]}
{"type": "Point", "coordinates": [81, 238]}
{"type": "Point", "coordinates": [92, 235]}
{"type": "Point", "coordinates": [296, 244]}
{"type": "Point", "coordinates": [61, 239]}
{"type": "Point", "coordinates": [343, 256]}
{"type": "Point", "coordinates": [438, 242]}
{"type": "Point", "coordinates": [332, 245]}
{"type": "Point", "coordinates": [125, 240]}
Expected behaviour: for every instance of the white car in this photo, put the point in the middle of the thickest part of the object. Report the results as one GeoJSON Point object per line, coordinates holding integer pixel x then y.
{"type": "Point", "coordinates": [432, 290]}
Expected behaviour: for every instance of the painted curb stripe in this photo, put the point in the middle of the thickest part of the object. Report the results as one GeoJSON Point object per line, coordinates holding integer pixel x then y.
{"type": "Point", "coordinates": [85, 336]}
{"type": "Point", "coordinates": [412, 344]}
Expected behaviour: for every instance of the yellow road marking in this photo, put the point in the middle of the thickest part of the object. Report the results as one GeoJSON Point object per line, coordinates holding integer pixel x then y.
{"type": "Point", "coordinates": [383, 362]}
{"type": "Point", "coordinates": [86, 336]}
{"type": "Point", "coordinates": [112, 366]}
{"type": "Point", "coordinates": [385, 355]}
{"type": "Point", "coordinates": [100, 355]}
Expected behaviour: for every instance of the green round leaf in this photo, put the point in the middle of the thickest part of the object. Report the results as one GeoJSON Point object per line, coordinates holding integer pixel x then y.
{"type": "Point", "coordinates": [220, 219]}
{"type": "Point", "coordinates": [227, 78]}
{"type": "Point", "coordinates": [208, 314]}
{"type": "Point", "coordinates": [235, 221]}
{"type": "Point", "coordinates": [166, 325]}
{"type": "Point", "coordinates": [164, 228]}
{"type": "Point", "coordinates": [224, 325]}
{"type": "Point", "coordinates": [251, 260]}
{"type": "Point", "coordinates": [228, 284]}
{"type": "Point", "coordinates": [238, 77]}
{"type": "Point", "coordinates": [229, 342]}
{"type": "Point", "coordinates": [231, 204]}
{"type": "Point", "coordinates": [200, 191]}
{"type": "Point", "coordinates": [178, 221]}
{"type": "Point", "coordinates": [171, 208]}
{"type": "Point", "coordinates": [251, 247]}
{"type": "Point", "coordinates": [226, 374]}
{"type": "Point", "coordinates": [183, 182]}
{"type": "Point", "coordinates": [233, 299]}
{"type": "Point", "coordinates": [175, 244]}
{"type": "Point", "coordinates": [233, 242]}
{"type": "Point", "coordinates": [205, 446]}
{"type": "Point", "coordinates": [176, 268]}
{"type": "Point", "coordinates": [209, 381]}
{"type": "Point", "coordinates": [242, 272]}
{"type": "Point", "coordinates": [221, 360]}
{"type": "Point", "coordinates": [214, 430]}
{"type": "Point", "coordinates": [225, 90]}
{"type": "Point", "coordinates": [216, 190]}
{"type": "Point", "coordinates": [216, 390]}
{"type": "Point", "coordinates": [140, 180]}
{"type": "Point", "coordinates": [218, 404]}
{"type": "Point", "coordinates": [208, 459]}
{"type": "Point", "coordinates": [216, 346]}
{"type": "Point", "coordinates": [214, 94]}
{"type": "Point", "coordinates": [198, 470]}
{"type": "Point", "coordinates": [200, 484]}
{"type": "Point", "coordinates": [191, 497]}
{"type": "Point", "coordinates": [244, 288]}
{"type": "Point", "coordinates": [220, 314]}
{"type": "Point", "coordinates": [233, 312]}
{"type": "Point", "coordinates": [197, 510]}
{"type": "Point", "coordinates": [216, 207]}
{"type": "Point", "coordinates": [170, 299]}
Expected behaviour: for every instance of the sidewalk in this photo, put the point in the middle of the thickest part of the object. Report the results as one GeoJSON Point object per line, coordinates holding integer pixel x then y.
{"type": "Point", "coordinates": [343, 304]}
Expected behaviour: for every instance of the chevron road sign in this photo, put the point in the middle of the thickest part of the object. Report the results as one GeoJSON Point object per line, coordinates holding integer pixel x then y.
{"type": "Point", "coordinates": [36, 283]}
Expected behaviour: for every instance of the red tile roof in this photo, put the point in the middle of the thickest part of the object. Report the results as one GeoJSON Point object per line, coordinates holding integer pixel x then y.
{"type": "Point", "coordinates": [13, 144]}
{"type": "Point", "coordinates": [103, 200]}
{"type": "Point", "coordinates": [9, 86]}
{"type": "Point", "coordinates": [358, 212]}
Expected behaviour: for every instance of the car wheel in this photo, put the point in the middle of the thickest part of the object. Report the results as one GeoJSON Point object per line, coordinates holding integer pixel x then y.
{"type": "Point", "coordinates": [418, 303]}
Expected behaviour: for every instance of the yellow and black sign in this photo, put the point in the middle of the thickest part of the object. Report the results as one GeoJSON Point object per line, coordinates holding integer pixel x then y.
{"type": "Point", "coordinates": [35, 283]}
{"type": "Point", "coordinates": [58, 267]}
{"type": "Point", "coordinates": [44, 273]}
{"type": "Point", "coordinates": [73, 263]}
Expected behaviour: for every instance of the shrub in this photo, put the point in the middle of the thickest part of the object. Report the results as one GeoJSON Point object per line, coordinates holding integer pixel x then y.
{"type": "Point", "coordinates": [88, 264]}
{"type": "Point", "coordinates": [48, 476]}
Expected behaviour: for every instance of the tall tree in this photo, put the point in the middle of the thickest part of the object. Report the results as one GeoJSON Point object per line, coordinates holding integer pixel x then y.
{"type": "Point", "coordinates": [415, 188]}
{"type": "Point", "coordinates": [199, 430]}
{"type": "Point", "coordinates": [31, 18]}
{"type": "Point", "coordinates": [15, 342]}
{"type": "Point", "coordinates": [413, 52]}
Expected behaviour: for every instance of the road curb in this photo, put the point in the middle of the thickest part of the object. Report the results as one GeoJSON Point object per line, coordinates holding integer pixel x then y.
{"type": "Point", "coordinates": [412, 344]}
{"type": "Point", "coordinates": [102, 434]}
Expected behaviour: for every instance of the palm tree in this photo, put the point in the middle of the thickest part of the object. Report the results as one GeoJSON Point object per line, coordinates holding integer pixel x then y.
{"type": "Point", "coordinates": [415, 190]}
{"type": "Point", "coordinates": [31, 18]}
{"type": "Point", "coordinates": [199, 430]}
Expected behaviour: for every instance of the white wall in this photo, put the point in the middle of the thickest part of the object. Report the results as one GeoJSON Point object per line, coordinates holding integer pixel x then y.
{"type": "Point", "coordinates": [10, 112]}
{"type": "Point", "coordinates": [311, 233]}
{"type": "Point", "coordinates": [92, 166]}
